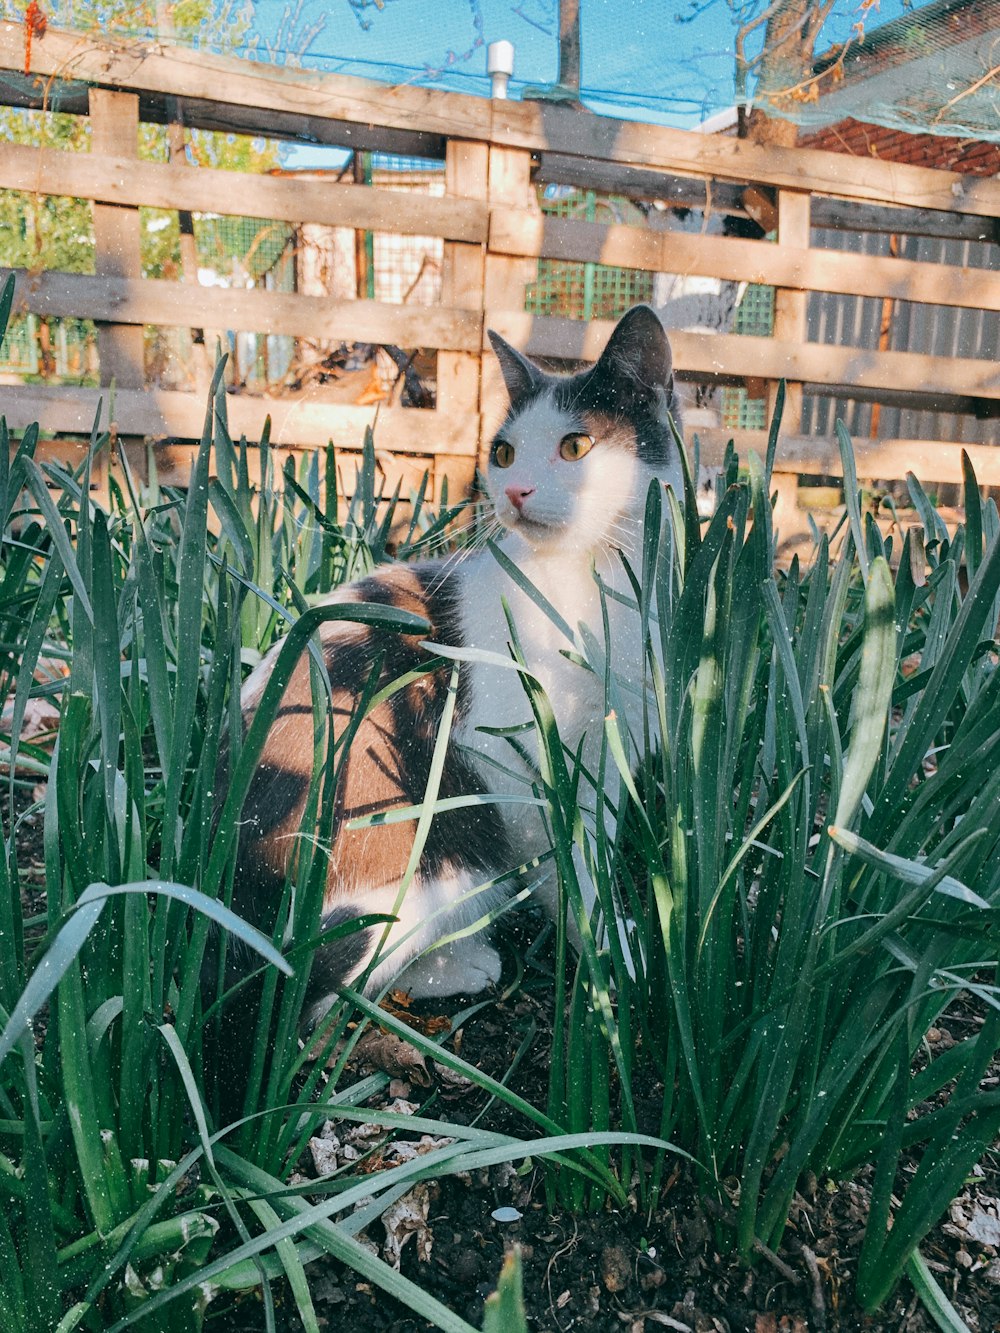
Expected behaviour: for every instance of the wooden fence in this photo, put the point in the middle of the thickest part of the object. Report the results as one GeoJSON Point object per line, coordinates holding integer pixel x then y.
{"type": "Point", "coordinates": [494, 234]}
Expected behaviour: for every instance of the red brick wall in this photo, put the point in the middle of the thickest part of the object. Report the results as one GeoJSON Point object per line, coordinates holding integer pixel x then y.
{"type": "Point", "coordinates": [972, 157]}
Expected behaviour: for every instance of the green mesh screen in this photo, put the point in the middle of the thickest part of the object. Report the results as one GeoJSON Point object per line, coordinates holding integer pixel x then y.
{"type": "Point", "coordinates": [586, 291]}
{"type": "Point", "coordinates": [754, 316]}
{"type": "Point", "coordinates": [64, 347]}
{"type": "Point", "coordinates": [19, 350]}
{"type": "Point", "coordinates": [257, 246]}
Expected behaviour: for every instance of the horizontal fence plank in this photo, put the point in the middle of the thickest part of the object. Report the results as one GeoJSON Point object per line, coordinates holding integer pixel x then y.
{"type": "Point", "coordinates": [175, 461]}
{"type": "Point", "coordinates": [891, 219]}
{"type": "Point", "coordinates": [162, 413]}
{"type": "Point", "coordinates": [286, 198]}
{"type": "Point", "coordinates": [639, 182]}
{"type": "Point", "coordinates": [544, 126]}
{"type": "Point", "coordinates": [733, 358]}
{"type": "Point", "coordinates": [257, 310]}
{"type": "Point", "coordinates": [308, 101]}
{"type": "Point", "coordinates": [314, 107]}
{"type": "Point", "coordinates": [714, 196]}
{"type": "Point", "coordinates": [518, 232]}
{"type": "Point", "coordinates": [72, 98]}
{"type": "Point", "coordinates": [817, 455]}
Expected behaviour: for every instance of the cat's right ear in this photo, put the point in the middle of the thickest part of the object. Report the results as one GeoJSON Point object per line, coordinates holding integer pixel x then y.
{"type": "Point", "coordinates": [520, 376]}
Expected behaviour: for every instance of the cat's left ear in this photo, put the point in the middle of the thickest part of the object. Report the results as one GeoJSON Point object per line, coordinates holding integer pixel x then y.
{"type": "Point", "coordinates": [520, 376]}
{"type": "Point", "coordinates": [637, 360]}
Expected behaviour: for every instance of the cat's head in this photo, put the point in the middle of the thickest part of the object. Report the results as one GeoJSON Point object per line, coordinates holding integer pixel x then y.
{"type": "Point", "coordinates": [573, 459]}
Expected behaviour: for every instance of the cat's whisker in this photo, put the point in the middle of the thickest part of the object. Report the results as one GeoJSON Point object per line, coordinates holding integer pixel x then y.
{"type": "Point", "coordinates": [442, 539]}
{"type": "Point", "coordinates": [457, 558]}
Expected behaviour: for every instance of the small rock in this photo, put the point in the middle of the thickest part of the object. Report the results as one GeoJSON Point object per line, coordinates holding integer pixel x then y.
{"type": "Point", "coordinates": [983, 1227]}
{"type": "Point", "coordinates": [616, 1267]}
{"type": "Point", "coordinates": [991, 1273]}
{"type": "Point", "coordinates": [324, 1155]}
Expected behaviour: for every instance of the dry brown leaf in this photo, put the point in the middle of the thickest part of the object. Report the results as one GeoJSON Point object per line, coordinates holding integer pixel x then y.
{"type": "Point", "coordinates": [405, 1218]}
{"type": "Point", "coordinates": [395, 1057]}
{"type": "Point", "coordinates": [429, 1024]}
{"type": "Point", "coordinates": [41, 719]}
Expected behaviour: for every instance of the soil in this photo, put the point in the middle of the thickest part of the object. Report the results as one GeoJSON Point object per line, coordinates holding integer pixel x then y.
{"type": "Point", "coordinates": [620, 1270]}
{"type": "Point", "coordinates": [594, 1272]}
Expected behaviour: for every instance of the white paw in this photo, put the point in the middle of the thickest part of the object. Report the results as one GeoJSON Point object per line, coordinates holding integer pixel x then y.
{"type": "Point", "coordinates": [464, 967]}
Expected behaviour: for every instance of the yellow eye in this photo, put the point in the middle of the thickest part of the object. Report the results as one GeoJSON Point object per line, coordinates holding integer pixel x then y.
{"type": "Point", "coordinates": [503, 453]}
{"type": "Point", "coordinates": [573, 447]}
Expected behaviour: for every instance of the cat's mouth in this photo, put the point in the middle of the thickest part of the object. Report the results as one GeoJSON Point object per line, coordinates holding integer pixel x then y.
{"type": "Point", "coordinates": [532, 528]}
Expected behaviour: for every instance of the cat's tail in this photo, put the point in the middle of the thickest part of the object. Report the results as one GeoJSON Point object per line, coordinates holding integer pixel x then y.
{"type": "Point", "coordinates": [347, 949]}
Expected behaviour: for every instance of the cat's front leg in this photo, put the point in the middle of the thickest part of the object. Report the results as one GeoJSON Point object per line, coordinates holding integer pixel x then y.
{"type": "Point", "coordinates": [431, 909]}
{"type": "Point", "coordinates": [463, 967]}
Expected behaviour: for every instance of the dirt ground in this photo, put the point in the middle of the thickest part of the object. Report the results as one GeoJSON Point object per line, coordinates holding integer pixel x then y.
{"type": "Point", "coordinates": [619, 1270]}
{"type": "Point", "coordinates": [613, 1270]}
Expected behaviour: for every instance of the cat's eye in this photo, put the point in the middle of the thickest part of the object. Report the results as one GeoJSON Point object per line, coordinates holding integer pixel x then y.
{"type": "Point", "coordinates": [573, 447]}
{"type": "Point", "coordinates": [503, 453]}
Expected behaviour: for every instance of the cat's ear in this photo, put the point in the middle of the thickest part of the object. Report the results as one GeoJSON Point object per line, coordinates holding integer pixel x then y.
{"type": "Point", "coordinates": [637, 360]}
{"type": "Point", "coordinates": [520, 376]}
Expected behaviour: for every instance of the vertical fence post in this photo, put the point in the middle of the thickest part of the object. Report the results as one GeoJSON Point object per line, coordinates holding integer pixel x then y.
{"type": "Point", "coordinates": [506, 278]}
{"type": "Point", "coordinates": [790, 326]}
{"type": "Point", "coordinates": [114, 130]}
{"type": "Point", "coordinates": [465, 177]}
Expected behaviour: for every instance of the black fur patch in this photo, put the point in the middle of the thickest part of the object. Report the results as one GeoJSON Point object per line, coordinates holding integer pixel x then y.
{"type": "Point", "coordinates": [274, 793]}
{"type": "Point", "coordinates": [343, 956]}
{"type": "Point", "coordinates": [474, 838]}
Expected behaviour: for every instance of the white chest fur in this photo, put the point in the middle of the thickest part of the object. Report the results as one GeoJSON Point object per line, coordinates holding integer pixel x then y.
{"type": "Point", "coordinates": [576, 692]}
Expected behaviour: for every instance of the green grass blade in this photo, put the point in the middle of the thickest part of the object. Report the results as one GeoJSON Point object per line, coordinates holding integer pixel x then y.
{"type": "Point", "coordinates": [851, 495]}
{"type": "Point", "coordinates": [870, 711]}
{"type": "Point", "coordinates": [505, 1307]}
{"type": "Point", "coordinates": [55, 527]}
{"type": "Point", "coordinates": [910, 872]}
{"type": "Point", "coordinates": [932, 1298]}
{"type": "Point", "coordinates": [210, 907]}
{"type": "Point", "coordinates": [59, 957]}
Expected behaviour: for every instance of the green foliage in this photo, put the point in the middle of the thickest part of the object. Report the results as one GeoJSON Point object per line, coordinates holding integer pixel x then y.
{"type": "Point", "coordinates": [123, 1202]}
{"type": "Point", "coordinates": [46, 231]}
{"type": "Point", "coordinates": [216, 24]}
{"type": "Point", "coordinates": [54, 232]}
{"type": "Point", "coordinates": [810, 858]}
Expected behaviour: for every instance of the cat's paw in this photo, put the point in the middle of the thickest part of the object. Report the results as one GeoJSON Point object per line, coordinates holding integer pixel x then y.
{"type": "Point", "coordinates": [464, 967]}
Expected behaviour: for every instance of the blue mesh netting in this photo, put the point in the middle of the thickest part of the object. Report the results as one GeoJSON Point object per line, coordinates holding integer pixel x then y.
{"type": "Point", "coordinates": [927, 65]}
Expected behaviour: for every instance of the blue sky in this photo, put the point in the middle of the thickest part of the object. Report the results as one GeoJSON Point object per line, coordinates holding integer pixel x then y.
{"type": "Point", "coordinates": [663, 60]}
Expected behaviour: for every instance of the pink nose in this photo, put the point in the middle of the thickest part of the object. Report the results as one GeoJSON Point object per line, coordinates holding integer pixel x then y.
{"type": "Point", "coordinates": [518, 494]}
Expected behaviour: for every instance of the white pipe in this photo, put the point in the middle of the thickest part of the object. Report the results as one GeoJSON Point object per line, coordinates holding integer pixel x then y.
{"type": "Point", "coordinates": [500, 66]}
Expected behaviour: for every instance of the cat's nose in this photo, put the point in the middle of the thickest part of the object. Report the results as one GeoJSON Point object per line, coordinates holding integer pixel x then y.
{"type": "Point", "coordinates": [518, 494]}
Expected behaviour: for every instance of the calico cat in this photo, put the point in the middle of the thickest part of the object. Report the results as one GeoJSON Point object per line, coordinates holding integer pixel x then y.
{"type": "Point", "coordinates": [568, 475]}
